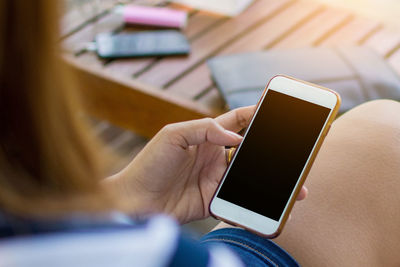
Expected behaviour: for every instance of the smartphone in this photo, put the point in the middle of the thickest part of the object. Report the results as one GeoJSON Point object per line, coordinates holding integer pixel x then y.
{"type": "Point", "coordinates": [141, 44]}
{"type": "Point", "coordinates": [269, 167]}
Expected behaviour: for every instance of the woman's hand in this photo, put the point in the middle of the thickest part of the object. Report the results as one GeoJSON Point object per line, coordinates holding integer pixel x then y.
{"type": "Point", "coordinates": [180, 168]}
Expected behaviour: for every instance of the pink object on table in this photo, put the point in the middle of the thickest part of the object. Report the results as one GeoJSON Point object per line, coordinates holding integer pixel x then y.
{"type": "Point", "coordinates": [155, 16]}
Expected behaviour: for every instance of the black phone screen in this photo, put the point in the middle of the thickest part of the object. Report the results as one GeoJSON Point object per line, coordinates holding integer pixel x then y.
{"type": "Point", "coordinates": [273, 154]}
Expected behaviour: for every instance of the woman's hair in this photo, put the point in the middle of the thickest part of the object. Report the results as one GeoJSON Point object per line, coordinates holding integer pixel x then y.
{"type": "Point", "coordinates": [47, 162]}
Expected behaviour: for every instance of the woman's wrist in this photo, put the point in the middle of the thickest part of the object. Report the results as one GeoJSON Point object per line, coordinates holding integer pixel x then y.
{"type": "Point", "coordinates": [120, 186]}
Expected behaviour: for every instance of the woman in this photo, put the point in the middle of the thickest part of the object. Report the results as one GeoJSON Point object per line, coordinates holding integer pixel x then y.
{"type": "Point", "coordinates": [56, 207]}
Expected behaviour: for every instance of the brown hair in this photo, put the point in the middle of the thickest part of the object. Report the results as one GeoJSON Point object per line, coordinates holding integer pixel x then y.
{"type": "Point", "coordinates": [46, 154]}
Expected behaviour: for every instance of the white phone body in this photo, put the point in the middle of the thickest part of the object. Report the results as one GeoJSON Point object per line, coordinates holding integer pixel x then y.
{"type": "Point", "coordinates": [263, 225]}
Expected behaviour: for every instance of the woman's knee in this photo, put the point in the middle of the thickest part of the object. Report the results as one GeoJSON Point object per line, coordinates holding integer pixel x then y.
{"type": "Point", "coordinates": [354, 198]}
{"type": "Point", "coordinates": [364, 144]}
{"type": "Point", "coordinates": [373, 124]}
{"type": "Point", "coordinates": [378, 111]}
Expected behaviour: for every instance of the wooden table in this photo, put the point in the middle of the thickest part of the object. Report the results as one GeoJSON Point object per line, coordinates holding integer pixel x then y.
{"type": "Point", "coordinates": [145, 94]}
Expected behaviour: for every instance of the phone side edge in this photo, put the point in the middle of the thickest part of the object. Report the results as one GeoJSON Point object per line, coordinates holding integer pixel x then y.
{"type": "Point", "coordinates": [229, 163]}
{"type": "Point", "coordinates": [318, 145]}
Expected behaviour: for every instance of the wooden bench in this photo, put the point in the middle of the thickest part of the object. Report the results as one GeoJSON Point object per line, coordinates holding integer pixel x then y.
{"type": "Point", "coordinates": [145, 94]}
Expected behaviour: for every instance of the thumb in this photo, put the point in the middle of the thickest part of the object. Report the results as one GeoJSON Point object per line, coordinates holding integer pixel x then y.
{"type": "Point", "coordinates": [197, 132]}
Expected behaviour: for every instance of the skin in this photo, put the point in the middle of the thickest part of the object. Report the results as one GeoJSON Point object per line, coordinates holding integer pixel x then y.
{"type": "Point", "coordinates": [180, 168]}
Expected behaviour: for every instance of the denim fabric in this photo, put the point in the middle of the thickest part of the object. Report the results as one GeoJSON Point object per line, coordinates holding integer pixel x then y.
{"type": "Point", "coordinates": [252, 249]}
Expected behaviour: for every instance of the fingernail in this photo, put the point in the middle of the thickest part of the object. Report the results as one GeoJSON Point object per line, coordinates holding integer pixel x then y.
{"type": "Point", "coordinates": [235, 135]}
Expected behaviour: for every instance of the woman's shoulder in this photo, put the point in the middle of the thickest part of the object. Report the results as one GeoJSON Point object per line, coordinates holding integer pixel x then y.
{"type": "Point", "coordinates": [73, 243]}
{"type": "Point", "coordinates": [83, 241]}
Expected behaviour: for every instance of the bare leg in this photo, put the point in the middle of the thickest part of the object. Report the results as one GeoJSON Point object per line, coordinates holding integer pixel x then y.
{"type": "Point", "coordinates": [352, 214]}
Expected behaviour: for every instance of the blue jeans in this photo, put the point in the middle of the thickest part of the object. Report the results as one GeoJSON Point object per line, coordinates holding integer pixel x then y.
{"type": "Point", "coordinates": [252, 249]}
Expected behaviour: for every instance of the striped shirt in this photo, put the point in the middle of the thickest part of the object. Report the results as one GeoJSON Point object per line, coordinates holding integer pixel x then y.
{"type": "Point", "coordinates": [116, 241]}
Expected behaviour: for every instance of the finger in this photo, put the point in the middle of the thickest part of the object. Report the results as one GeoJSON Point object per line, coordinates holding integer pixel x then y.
{"type": "Point", "coordinates": [237, 119]}
{"type": "Point", "coordinates": [303, 193]}
{"type": "Point", "coordinates": [197, 132]}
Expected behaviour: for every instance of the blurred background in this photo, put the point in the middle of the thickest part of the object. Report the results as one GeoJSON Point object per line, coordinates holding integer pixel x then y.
{"type": "Point", "coordinates": [384, 10]}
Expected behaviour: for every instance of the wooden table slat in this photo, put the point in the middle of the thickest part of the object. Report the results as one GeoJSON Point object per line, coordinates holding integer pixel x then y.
{"type": "Point", "coordinates": [213, 99]}
{"type": "Point", "coordinates": [384, 41]}
{"type": "Point", "coordinates": [201, 22]}
{"type": "Point", "coordinates": [82, 14]}
{"type": "Point", "coordinates": [199, 79]}
{"type": "Point", "coordinates": [352, 33]}
{"type": "Point", "coordinates": [314, 29]}
{"type": "Point", "coordinates": [99, 126]}
{"type": "Point", "coordinates": [114, 136]}
{"type": "Point", "coordinates": [193, 83]}
{"type": "Point", "coordinates": [126, 141]}
{"type": "Point", "coordinates": [129, 67]}
{"type": "Point", "coordinates": [77, 41]}
{"type": "Point", "coordinates": [275, 29]}
{"type": "Point", "coordinates": [394, 61]}
{"type": "Point", "coordinates": [91, 61]}
{"type": "Point", "coordinates": [170, 68]}
{"type": "Point", "coordinates": [179, 6]}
